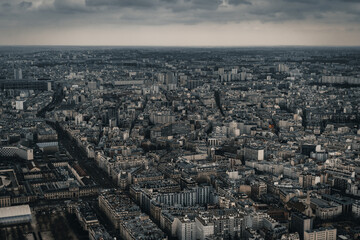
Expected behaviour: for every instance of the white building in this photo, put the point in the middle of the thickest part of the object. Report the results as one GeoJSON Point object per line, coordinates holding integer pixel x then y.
{"type": "Point", "coordinates": [19, 105]}
{"type": "Point", "coordinates": [78, 119]}
{"type": "Point", "coordinates": [204, 227]}
{"type": "Point", "coordinates": [20, 151]}
{"type": "Point", "coordinates": [321, 234]}
{"type": "Point", "coordinates": [255, 220]}
{"type": "Point", "coordinates": [356, 208]}
{"type": "Point", "coordinates": [324, 209]}
{"type": "Point", "coordinates": [254, 153]}
{"type": "Point", "coordinates": [18, 74]}
{"type": "Point", "coordinates": [340, 79]}
{"type": "Point", "coordinates": [185, 228]}
{"type": "Point", "coordinates": [15, 215]}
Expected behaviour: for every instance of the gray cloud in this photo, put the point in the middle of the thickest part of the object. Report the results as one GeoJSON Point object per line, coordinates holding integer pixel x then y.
{"type": "Point", "coordinates": [195, 11]}
{"type": "Point", "coordinates": [6, 5]}
{"type": "Point", "coordinates": [174, 5]}
{"type": "Point", "coordinates": [199, 22]}
{"type": "Point", "coordinates": [122, 3]}
{"type": "Point", "coordinates": [238, 2]}
{"type": "Point", "coordinates": [164, 12]}
{"type": "Point", "coordinates": [25, 5]}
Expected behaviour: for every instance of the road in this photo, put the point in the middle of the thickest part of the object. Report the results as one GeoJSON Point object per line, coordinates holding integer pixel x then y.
{"type": "Point", "coordinates": [89, 165]}
{"type": "Point", "coordinates": [57, 99]}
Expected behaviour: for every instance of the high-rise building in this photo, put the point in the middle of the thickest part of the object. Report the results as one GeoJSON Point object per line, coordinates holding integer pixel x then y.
{"type": "Point", "coordinates": [191, 84]}
{"type": "Point", "coordinates": [283, 68]}
{"type": "Point", "coordinates": [301, 223]}
{"type": "Point", "coordinates": [18, 74]}
{"type": "Point", "coordinates": [243, 76]}
{"type": "Point", "coordinates": [92, 85]}
{"type": "Point", "coordinates": [19, 105]}
{"type": "Point", "coordinates": [170, 78]}
{"type": "Point", "coordinates": [221, 71]}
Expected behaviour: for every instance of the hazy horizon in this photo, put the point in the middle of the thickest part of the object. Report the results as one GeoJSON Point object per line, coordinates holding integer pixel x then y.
{"type": "Point", "coordinates": [180, 46]}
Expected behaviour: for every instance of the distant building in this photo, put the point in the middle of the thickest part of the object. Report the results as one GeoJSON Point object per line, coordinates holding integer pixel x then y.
{"type": "Point", "coordinates": [140, 227]}
{"type": "Point", "coordinates": [129, 82]}
{"type": "Point", "coordinates": [356, 209]}
{"type": "Point", "coordinates": [191, 84]}
{"type": "Point", "coordinates": [19, 105]}
{"type": "Point", "coordinates": [46, 135]}
{"type": "Point", "coordinates": [117, 207]}
{"type": "Point", "coordinates": [258, 189]}
{"type": "Point", "coordinates": [170, 78]}
{"type": "Point", "coordinates": [26, 84]}
{"type": "Point", "coordinates": [345, 202]}
{"type": "Point", "coordinates": [301, 223]}
{"type": "Point", "coordinates": [340, 80]}
{"type": "Point", "coordinates": [18, 74]}
{"type": "Point", "coordinates": [162, 117]}
{"type": "Point", "coordinates": [98, 232]}
{"type": "Point", "coordinates": [282, 68]}
{"type": "Point", "coordinates": [254, 153]}
{"type": "Point", "coordinates": [185, 228]}
{"type": "Point", "coordinates": [324, 209]}
{"type": "Point", "coordinates": [92, 85]}
{"type": "Point", "coordinates": [290, 236]}
{"type": "Point", "coordinates": [85, 216]}
{"type": "Point", "coordinates": [19, 151]}
{"type": "Point", "coordinates": [321, 234]}
{"type": "Point", "coordinates": [15, 215]}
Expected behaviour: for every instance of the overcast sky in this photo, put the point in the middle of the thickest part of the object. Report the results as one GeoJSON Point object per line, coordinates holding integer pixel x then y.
{"type": "Point", "coordinates": [180, 22]}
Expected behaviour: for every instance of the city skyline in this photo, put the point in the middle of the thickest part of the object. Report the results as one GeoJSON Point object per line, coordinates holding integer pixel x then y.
{"type": "Point", "coordinates": [179, 143]}
{"type": "Point", "coordinates": [180, 23]}
{"type": "Point", "coordinates": [180, 119]}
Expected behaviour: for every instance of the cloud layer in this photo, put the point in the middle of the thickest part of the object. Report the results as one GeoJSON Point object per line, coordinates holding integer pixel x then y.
{"type": "Point", "coordinates": [45, 15]}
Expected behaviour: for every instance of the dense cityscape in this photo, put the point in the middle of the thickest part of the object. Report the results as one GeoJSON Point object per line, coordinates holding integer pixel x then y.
{"type": "Point", "coordinates": [179, 143]}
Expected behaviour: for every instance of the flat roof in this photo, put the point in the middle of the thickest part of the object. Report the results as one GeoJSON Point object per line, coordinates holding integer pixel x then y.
{"type": "Point", "coordinates": [14, 211]}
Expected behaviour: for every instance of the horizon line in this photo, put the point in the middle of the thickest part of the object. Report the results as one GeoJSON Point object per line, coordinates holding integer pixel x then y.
{"type": "Point", "coordinates": [179, 46]}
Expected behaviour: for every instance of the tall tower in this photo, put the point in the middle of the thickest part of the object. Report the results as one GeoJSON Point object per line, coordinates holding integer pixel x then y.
{"type": "Point", "coordinates": [169, 78]}
{"type": "Point", "coordinates": [17, 74]}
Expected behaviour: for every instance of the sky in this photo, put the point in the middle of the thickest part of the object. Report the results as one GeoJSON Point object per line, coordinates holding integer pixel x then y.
{"type": "Point", "coordinates": [180, 22]}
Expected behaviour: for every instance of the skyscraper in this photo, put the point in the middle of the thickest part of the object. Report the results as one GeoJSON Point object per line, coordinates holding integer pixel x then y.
{"type": "Point", "coordinates": [17, 74]}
